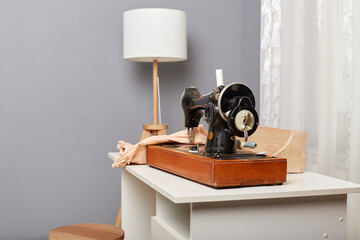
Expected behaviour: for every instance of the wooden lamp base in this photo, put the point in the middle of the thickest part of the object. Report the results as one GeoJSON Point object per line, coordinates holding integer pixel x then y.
{"type": "Point", "coordinates": [154, 129]}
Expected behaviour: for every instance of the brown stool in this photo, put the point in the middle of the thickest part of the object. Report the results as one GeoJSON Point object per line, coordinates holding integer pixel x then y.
{"type": "Point", "coordinates": [89, 231]}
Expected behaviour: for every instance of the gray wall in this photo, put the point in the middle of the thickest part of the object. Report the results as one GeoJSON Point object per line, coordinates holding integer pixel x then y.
{"type": "Point", "coordinates": [67, 96]}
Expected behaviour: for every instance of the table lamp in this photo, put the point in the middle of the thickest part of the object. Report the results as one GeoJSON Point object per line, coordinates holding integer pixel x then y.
{"type": "Point", "coordinates": [154, 35]}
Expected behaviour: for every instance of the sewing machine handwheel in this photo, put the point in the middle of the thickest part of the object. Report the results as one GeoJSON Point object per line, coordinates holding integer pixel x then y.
{"type": "Point", "coordinates": [236, 116]}
{"type": "Point", "coordinates": [230, 92]}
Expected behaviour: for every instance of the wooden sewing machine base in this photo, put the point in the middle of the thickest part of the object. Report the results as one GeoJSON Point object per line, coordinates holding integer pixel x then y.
{"type": "Point", "coordinates": [233, 170]}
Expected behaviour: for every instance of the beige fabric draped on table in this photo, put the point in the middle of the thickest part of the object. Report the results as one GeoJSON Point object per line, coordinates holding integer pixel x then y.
{"type": "Point", "coordinates": [129, 153]}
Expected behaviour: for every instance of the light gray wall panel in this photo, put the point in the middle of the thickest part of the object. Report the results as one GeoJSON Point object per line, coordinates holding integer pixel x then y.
{"type": "Point", "coordinates": [67, 96]}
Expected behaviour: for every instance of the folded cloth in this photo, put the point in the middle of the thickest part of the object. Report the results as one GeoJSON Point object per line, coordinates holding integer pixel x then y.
{"type": "Point", "coordinates": [129, 153]}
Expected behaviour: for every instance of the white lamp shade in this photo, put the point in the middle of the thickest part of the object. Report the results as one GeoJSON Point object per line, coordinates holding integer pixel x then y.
{"type": "Point", "coordinates": [155, 34]}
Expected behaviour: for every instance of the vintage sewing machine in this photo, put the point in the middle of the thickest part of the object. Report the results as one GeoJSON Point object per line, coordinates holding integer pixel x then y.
{"type": "Point", "coordinates": [223, 161]}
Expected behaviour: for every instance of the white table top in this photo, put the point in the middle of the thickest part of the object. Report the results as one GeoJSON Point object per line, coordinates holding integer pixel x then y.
{"type": "Point", "coordinates": [181, 190]}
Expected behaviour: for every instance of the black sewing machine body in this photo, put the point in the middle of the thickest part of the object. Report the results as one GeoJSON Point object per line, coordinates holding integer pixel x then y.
{"type": "Point", "coordinates": [229, 111]}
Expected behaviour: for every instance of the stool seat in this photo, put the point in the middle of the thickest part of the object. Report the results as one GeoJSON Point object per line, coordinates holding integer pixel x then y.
{"type": "Point", "coordinates": [87, 231]}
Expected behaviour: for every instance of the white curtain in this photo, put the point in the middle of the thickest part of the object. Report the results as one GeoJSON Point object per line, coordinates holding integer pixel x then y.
{"type": "Point", "coordinates": [310, 81]}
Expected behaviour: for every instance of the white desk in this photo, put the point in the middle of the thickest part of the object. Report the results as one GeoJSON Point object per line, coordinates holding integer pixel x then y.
{"type": "Point", "coordinates": [158, 205]}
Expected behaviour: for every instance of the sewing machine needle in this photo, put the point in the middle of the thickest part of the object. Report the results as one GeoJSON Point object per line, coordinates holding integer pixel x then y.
{"type": "Point", "coordinates": [191, 135]}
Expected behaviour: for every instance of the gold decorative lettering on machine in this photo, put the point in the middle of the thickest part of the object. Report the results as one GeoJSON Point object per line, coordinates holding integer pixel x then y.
{"type": "Point", "coordinates": [223, 161]}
